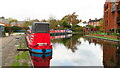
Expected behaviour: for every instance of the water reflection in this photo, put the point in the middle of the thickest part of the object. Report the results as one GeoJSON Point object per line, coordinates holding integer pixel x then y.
{"type": "Point", "coordinates": [81, 51]}
{"type": "Point", "coordinates": [69, 41]}
{"type": "Point", "coordinates": [75, 51]}
{"type": "Point", "coordinates": [111, 52]}
{"type": "Point", "coordinates": [41, 60]}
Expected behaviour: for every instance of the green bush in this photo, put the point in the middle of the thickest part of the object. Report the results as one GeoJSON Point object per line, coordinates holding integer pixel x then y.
{"type": "Point", "coordinates": [12, 29]}
{"type": "Point", "coordinates": [7, 28]}
{"type": "Point", "coordinates": [74, 26]}
{"type": "Point", "coordinates": [118, 30]}
{"type": "Point", "coordinates": [77, 29]}
{"type": "Point", "coordinates": [15, 28]}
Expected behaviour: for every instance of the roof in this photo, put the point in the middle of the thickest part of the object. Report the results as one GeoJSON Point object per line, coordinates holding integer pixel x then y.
{"type": "Point", "coordinates": [2, 23]}
{"type": "Point", "coordinates": [95, 20]}
{"type": "Point", "coordinates": [41, 22]}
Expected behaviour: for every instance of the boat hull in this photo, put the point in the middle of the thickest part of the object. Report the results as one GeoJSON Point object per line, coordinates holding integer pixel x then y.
{"type": "Point", "coordinates": [40, 51]}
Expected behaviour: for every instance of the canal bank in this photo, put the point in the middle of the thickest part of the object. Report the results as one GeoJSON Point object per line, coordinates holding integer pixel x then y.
{"type": "Point", "coordinates": [10, 55]}
{"type": "Point", "coordinates": [105, 37]}
{"type": "Point", "coordinates": [23, 57]}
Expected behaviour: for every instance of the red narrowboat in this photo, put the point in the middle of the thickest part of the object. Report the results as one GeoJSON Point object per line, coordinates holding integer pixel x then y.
{"type": "Point", "coordinates": [41, 60]}
{"type": "Point", "coordinates": [38, 38]}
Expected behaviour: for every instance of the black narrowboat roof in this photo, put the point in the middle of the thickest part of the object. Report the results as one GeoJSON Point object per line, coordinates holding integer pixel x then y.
{"type": "Point", "coordinates": [40, 22]}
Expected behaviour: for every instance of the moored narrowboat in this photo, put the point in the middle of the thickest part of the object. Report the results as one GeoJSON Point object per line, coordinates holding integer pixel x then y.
{"type": "Point", "coordinates": [38, 38]}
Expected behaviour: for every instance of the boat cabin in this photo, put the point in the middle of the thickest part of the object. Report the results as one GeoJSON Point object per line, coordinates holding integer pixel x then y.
{"type": "Point", "coordinates": [40, 27]}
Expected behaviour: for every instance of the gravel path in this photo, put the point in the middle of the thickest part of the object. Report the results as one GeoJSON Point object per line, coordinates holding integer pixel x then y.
{"type": "Point", "coordinates": [9, 50]}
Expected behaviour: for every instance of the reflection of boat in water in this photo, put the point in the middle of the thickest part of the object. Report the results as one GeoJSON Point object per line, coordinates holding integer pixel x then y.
{"type": "Point", "coordinates": [38, 38]}
{"type": "Point", "coordinates": [61, 36]}
{"type": "Point", "coordinates": [59, 32]}
{"type": "Point", "coordinates": [41, 60]}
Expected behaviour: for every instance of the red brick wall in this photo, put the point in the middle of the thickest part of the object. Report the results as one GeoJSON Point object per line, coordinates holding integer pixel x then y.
{"type": "Point", "coordinates": [110, 18]}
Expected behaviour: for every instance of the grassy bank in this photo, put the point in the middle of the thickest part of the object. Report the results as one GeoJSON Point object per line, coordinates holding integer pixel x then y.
{"type": "Point", "coordinates": [105, 38]}
{"type": "Point", "coordinates": [22, 58]}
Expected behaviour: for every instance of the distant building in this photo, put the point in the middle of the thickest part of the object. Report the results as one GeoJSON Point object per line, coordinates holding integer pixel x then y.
{"type": "Point", "coordinates": [82, 24]}
{"type": "Point", "coordinates": [111, 16]}
{"type": "Point", "coordinates": [18, 23]}
{"type": "Point", "coordinates": [2, 19]}
{"type": "Point", "coordinates": [95, 22]}
{"type": "Point", "coordinates": [6, 22]}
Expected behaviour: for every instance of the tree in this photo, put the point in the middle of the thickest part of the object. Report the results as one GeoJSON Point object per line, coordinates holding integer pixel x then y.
{"type": "Point", "coordinates": [35, 20]}
{"type": "Point", "coordinates": [101, 24]}
{"type": "Point", "coordinates": [65, 24]}
{"type": "Point", "coordinates": [71, 19]}
{"type": "Point", "coordinates": [44, 20]}
{"type": "Point", "coordinates": [53, 22]}
{"type": "Point", "coordinates": [27, 24]}
{"type": "Point", "coordinates": [11, 20]}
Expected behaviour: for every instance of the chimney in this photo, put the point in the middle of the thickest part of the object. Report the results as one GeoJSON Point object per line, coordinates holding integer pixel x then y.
{"type": "Point", "coordinates": [89, 19]}
{"type": "Point", "coordinates": [95, 18]}
{"type": "Point", "coordinates": [80, 20]}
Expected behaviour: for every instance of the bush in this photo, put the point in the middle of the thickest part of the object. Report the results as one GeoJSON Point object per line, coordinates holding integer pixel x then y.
{"type": "Point", "coordinates": [77, 29]}
{"type": "Point", "coordinates": [65, 24]}
{"type": "Point", "coordinates": [118, 30]}
{"type": "Point", "coordinates": [7, 28]}
{"type": "Point", "coordinates": [13, 28]}
{"type": "Point", "coordinates": [74, 26]}
{"type": "Point", "coordinates": [97, 27]}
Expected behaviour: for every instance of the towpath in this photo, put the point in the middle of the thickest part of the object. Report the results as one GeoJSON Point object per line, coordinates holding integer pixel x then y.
{"type": "Point", "coordinates": [9, 49]}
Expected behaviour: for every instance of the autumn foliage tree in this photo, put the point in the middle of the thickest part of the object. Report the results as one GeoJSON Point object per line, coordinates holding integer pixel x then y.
{"type": "Point", "coordinates": [71, 19]}
{"type": "Point", "coordinates": [101, 25]}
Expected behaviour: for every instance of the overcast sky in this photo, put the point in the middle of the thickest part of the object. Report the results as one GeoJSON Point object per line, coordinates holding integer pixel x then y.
{"type": "Point", "coordinates": [43, 9]}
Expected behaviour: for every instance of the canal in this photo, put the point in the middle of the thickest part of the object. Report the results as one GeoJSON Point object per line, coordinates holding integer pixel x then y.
{"type": "Point", "coordinates": [72, 50]}
{"type": "Point", "coordinates": [77, 50]}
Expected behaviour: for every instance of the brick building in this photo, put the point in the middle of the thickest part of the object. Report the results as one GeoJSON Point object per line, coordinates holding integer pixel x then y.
{"type": "Point", "coordinates": [95, 22]}
{"type": "Point", "coordinates": [111, 16]}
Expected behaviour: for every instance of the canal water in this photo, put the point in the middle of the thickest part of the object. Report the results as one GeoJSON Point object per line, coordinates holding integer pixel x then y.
{"type": "Point", "coordinates": [77, 50]}
{"type": "Point", "coordinates": [74, 50]}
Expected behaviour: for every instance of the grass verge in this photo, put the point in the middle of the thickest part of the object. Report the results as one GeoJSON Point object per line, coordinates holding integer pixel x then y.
{"type": "Point", "coordinates": [103, 37]}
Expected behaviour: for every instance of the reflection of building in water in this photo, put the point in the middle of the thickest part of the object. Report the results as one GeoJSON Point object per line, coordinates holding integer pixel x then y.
{"type": "Point", "coordinates": [41, 60]}
{"type": "Point", "coordinates": [111, 52]}
{"type": "Point", "coordinates": [109, 55]}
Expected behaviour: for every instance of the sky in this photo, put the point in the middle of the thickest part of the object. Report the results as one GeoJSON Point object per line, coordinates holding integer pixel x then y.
{"type": "Point", "coordinates": [44, 9]}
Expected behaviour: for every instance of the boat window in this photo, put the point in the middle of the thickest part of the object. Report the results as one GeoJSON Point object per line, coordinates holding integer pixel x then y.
{"type": "Point", "coordinates": [40, 28]}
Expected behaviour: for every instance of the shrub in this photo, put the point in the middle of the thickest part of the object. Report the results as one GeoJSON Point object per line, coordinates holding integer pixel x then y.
{"type": "Point", "coordinates": [15, 28]}
{"type": "Point", "coordinates": [77, 29]}
{"type": "Point", "coordinates": [118, 30]}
